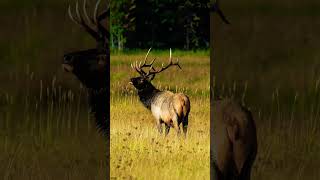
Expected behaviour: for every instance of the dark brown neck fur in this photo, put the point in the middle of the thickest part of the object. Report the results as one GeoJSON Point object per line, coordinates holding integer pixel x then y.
{"type": "Point", "coordinates": [147, 94]}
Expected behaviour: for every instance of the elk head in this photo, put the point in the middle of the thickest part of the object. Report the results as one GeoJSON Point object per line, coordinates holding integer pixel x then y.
{"type": "Point", "coordinates": [90, 66]}
{"type": "Point", "coordinates": [143, 82]}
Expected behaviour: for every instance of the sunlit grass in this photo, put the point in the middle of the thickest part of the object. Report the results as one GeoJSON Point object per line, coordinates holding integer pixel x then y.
{"type": "Point", "coordinates": [137, 149]}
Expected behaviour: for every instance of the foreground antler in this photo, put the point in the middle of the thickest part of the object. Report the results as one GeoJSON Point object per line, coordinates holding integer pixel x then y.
{"type": "Point", "coordinates": [215, 7]}
{"type": "Point", "coordinates": [152, 71]}
{"type": "Point", "coordinates": [92, 25]}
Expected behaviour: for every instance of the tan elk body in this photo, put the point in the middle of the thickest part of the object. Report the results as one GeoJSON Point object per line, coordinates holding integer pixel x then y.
{"type": "Point", "coordinates": [167, 107]}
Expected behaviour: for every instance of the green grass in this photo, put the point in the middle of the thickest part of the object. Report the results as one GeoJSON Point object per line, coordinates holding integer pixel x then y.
{"type": "Point", "coordinates": [156, 52]}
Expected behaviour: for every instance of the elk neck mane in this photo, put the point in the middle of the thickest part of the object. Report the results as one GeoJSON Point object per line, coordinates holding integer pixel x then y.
{"type": "Point", "coordinates": [98, 106]}
{"type": "Point", "coordinates": [146, 95]}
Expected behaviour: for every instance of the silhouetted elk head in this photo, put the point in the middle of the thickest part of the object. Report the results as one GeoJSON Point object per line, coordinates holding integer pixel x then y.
{"type": "Point", "coordinates": [143, 81]}
{"type": "Point", "coordinates": [90, 66]}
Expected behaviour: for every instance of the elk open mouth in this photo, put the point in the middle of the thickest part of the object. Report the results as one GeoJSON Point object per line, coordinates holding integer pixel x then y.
{"type": "Point", "coordinates": [67, 67]}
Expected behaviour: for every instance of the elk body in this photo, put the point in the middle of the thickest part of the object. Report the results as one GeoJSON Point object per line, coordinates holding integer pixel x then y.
{"type": "Point", "coordinates": [233, 134]}
{"type": "Point", "coordinates": [167, 107]}
{"type": "Point", "coordinates": [91, 66]}
{"type": "Point", "coordinates": [234, 140]}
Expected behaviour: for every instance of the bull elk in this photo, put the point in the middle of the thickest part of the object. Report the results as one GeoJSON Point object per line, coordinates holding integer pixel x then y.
{"type": "Point", "coordinates": [233, 134]}
{"type": "Point", "coordinates": [167, 107]}
{"type": "Point", "coordinates": [91, 66]}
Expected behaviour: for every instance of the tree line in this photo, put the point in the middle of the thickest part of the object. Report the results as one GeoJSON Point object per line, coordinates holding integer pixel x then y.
{"type": "Point", "coordinates": [180, 24]}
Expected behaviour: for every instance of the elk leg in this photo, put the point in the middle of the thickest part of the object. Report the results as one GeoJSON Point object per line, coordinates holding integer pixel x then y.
{"type": "Point", "coordinates": [246, 170]}
{"type": "Point", "coordinates": [217, 175]}
{"type": "Point", "coordinates": [167, 129]}
{"type": "Point", "coordinates": [176, 124]}
{"type": "Point", "coordinates": [185, 125]}
{"type": "Point", "coordinates": [159, 127]}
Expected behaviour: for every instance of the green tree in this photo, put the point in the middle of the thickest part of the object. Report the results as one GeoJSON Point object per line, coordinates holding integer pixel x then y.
{"type": "Point", "coordinates": [121, 21]}
{"type": "Point", "coordinates": [159, 23]}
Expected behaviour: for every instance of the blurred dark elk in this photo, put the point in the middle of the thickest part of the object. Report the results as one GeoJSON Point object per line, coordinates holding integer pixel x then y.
{"type": "Point", "coordinates": [234, 140]}
{"type": "Point", "coordinates": [233, 134]}
{"type": "Point", "coordinates": [167, 107]}
{"type": "Point", "coordinates": [91, 66]}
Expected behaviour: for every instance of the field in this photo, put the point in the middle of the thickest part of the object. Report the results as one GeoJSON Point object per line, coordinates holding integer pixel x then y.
{"type": "Point", "coordinates": [137, 149]}
{"type": "Point", "coordinates": [49, 134]}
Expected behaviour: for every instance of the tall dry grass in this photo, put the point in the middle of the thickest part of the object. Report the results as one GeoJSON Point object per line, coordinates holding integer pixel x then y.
{"type": "Point", "coordinates": [46, 131]}
{"type": "Point", "coordinates": [49, 134]}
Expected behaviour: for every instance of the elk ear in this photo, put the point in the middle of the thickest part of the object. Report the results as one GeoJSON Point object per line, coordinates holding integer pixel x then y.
{"type": "Point", "coordinates": [151, 77]}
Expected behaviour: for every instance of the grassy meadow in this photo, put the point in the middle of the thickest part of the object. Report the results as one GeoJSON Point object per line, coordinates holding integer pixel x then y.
{"type": "Point", "coordinates": [47, 131]}
{"type": "Point", "coordinates": [137, 150]}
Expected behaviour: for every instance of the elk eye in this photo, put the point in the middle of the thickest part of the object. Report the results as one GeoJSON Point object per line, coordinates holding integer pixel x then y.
{"type": "Point", "coordinates": [67, 58]}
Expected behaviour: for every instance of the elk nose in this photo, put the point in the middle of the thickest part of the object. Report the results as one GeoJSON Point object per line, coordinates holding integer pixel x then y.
{"type": "Point", "coordinates": [131, 81]}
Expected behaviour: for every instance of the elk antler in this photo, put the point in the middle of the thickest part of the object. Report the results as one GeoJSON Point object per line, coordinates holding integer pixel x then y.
{"type": "Point", "coordinates": [99, 32]}
{"type": "Point", "coordinates": [164, 67]}
{"type": "Point", "coordinates": [152, 71]}
{"type": "Point", "coordinates": [215, 7]}
{"type": "Point", "coordinates": [138, 67]}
